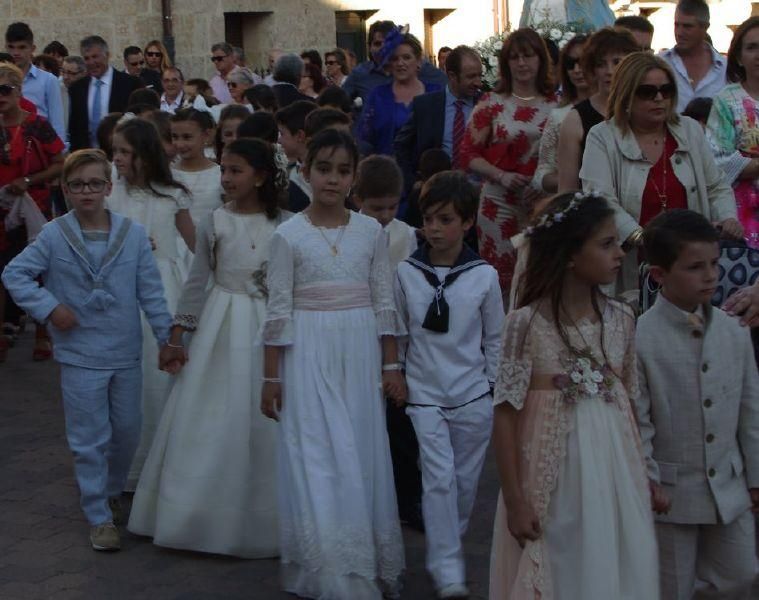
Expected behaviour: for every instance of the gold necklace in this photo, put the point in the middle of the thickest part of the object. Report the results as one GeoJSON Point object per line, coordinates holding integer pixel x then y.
{"type": "Point", "coordinates": [662, 193]}
{"type": "Point", "coordinates": [334, 248]}
{"type": "Point", "coordinates": [523, 98]}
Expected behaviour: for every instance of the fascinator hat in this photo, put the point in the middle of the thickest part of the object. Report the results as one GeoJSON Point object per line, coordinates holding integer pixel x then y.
{"type": "Point", "coordinates": [392, 40]}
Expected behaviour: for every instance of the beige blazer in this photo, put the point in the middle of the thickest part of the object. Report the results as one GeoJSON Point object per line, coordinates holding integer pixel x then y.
{"type": "Point", "coordinates": [698, 411]}
{"type": "Point", "coordinates": [613, 165]}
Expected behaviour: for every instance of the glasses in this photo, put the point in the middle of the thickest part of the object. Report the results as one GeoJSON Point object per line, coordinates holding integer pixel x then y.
{"type": "Point", "coordinates": [649, 92]}
{"type": "Point", "coordinates": [219, 58]}
{"type": "Point", "coordinates": [570, 63]}
{"type": "Point", "coordinates": [231, 84]}
{"type": "Point", "coordinates": [6, 89]}
{"type": "Point", "coordinates": [154, 54]}
{"type": "Point", "coordinates": [137, 64]}
{"type": "Point", "coordinates": [77, 186]}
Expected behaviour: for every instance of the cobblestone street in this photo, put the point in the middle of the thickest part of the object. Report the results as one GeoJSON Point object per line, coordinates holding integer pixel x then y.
{"type": "Point", "coordinates": [44, 550]}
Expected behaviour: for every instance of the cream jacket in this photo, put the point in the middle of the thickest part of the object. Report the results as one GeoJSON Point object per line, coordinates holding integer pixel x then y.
{"type": "Point", "coordinates": [613, 165]}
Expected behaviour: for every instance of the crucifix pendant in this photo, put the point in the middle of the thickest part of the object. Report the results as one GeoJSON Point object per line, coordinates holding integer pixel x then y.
{"type": "Point", "coordinates": [334, 250]}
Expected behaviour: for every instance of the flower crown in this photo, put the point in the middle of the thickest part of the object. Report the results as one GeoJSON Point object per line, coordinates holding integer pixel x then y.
{"type": "Point", "coordinates": [548, 219]}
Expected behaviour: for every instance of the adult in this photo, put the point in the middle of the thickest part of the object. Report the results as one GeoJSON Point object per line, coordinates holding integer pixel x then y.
{"type": "Point", "coordinates": [648, 159]}
{"type": "Point", "coordinates": [40, 87]}
{"type": "Point", "coordinates": [238, 54]}
{"type": "Point", "coordinates": [312, 81]}
{"type": "Point", "coordinates": [72, 69]}
{"type": "Point", "coordinates": [376, 71]}
{"type": "Point", "coordinates": [240, 81]}
{"type": "Point", "coordinates": [157, 57]}
{"type": "Point", "coordinates": [388, 106]}
{"type": "Point", "coordinates": [24, 171]}
{"type": "Point", "coordinates": [173, 90]}
{"type": "Point", "coordinates": [442, 57]}
{"type": "Point", "coordinates": [312, 57]}
{"type": "Point", "coordinates": [222, 56]}
{"type": "Point", "coordinates": [501, 144]}
{"type": "Point", "coordinates": [733, 126]}
{"type": "Point", "coordinates": [438, 119]}
{"type": "Point", "coordinates": [287, 73]}
{"type": "Point", "coordinates": [603, 52]}
{"type": "Point", "coordinates": [57, 50]}
{"type": "Point", "coordinates": [134, 64]}
{"type": "Point", "coordinates": [104, 90]}
{"type": "Point", "coordinates": [641, 29]}
{"type": "Point", "coordinates": [272, 57]}
{"type": "Point", "coordinates": [700, 70]}
{"type": "Point", "coordinates": [47, 63]}
{"type": "Point", "coordinates": [336, 63]}
{"type": "Point", "coordinates": [575, 87]}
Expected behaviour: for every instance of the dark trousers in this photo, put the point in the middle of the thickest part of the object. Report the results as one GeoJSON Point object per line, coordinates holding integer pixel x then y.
{"type": "Point", "coordinates": [404, 450]}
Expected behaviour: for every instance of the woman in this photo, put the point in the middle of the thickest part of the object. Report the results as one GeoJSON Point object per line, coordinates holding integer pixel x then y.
{"type": "Point", "coordinates": [312, 82]}
{"type": "Point", "coordinates": [575, 88]}
{"type": "Point", "coordinates": [501, 145]}
{"type": "Point", "coordinates": [31, 156]}
{"type": "Point", "coordinates": [603, 52]}
{"type": "Point", "coordinates": [647, 159]}
{"type": "Point", "coordinates": [238, 82]}
{"type": "Point", "coordinates": [733, 126]}
{"type": "Point", "coordinates": [337, 66]}
{"type": "Point", "coordinates": [387, 107]}
{"type": "Point", "coordinates": [157, 56]}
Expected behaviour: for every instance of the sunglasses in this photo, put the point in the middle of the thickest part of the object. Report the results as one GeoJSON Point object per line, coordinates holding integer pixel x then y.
{"type": "Point", "coordinates": [218, 58]}
{"type": "Point", "coordinates": [231, 84]}
{"type": "Point", "coordinates": [649, 92]}
{"type": "Point", "coordinates": [154, 54]}
{"type": "Point", "coordinates": [77, 186]}
{"type": "Point", "coordinates": [6, 89]}
{"type": "Point", "coordinates": [137, 64]}
{"type": "Point", "coordinates": [570, 63]}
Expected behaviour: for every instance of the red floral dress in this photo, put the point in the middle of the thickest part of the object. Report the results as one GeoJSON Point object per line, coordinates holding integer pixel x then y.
{"type": "Point", "coordinates": [507, 135]}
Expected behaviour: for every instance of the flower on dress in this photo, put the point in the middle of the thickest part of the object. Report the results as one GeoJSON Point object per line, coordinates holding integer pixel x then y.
{"type": "Point", "coordinates": [489, 209]}
{"type": "Point", "coordinates": [525, 114]}
{"type": "Point", "coordinates": [585, 377]}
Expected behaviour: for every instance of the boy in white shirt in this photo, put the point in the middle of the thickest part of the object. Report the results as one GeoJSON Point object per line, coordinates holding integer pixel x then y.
{"type": "Point", "coordinates": [450, 301]}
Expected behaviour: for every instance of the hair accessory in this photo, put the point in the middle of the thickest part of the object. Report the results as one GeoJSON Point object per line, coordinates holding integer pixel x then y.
{"type": "Point", "coordinates": [392, 40]}
{"type": "Point", "coordinates": [282, 178]}
{"type": "Point", "coordinates": [549, 219]}
{"type": "Point", "coordinates": [126, 117]}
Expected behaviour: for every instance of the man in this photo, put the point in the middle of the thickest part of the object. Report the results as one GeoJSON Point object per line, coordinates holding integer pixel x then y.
{"type": "Point", "coordinates": [72, 69]}
{"type": "Point", "coordinates": [641, 28]}
{"type": "Point", "coordinates": [370, 74]}
{"type": "Point", "coordinates": [56, 50]}
{"type": "Point", "coordinates": [438, 119]}
{"type": "Point", "coordinates": [173, 90]}
{"type": "Point", "coordinates": [239, 56]}
{"type": "Point", "coordinates": [274, 55]}
{"type": "Point", "coordinates": [134, 64]}
{"type": "Point", "coordinates": [287, 73]}
{"type": "Point", "coordinates": [700, 71]}
{"type": "Point", "coordinates": [442, 56]}
{"type": "Point", "coordinates": [103, 91]}
{"type": "Point", "coordinates": [223, 58]}
{"type": "Point", "coordinates": [39, 87]}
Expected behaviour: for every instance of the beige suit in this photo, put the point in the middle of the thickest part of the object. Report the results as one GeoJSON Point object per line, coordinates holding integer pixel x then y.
{"type": "Point", "coordinates": [699, 418]}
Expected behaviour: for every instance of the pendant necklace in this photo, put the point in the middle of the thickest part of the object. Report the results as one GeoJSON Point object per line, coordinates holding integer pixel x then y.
{"type": "Point", "coordinates": [334, 248]}
{"type": "Point", "coordinates": [662, 193]}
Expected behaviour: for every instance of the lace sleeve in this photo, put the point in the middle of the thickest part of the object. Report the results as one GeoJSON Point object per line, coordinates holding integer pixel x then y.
{"type": "Point", "coordinates": [278, 327]}
{"type": "Point", "coordinates": [515, 368]}
{"type": "Point", "coordinates": [549, 141]}
{"type": "Point", "coordinates": [630, 365]}
{"type": "Point", "coordinates": [195, 290]}
{"type": "Point", "coordinates": [381, 286]}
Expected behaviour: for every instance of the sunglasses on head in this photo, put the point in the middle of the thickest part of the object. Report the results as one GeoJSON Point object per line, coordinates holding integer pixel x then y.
{"type": "Point", "coordinates": [6, 89]}
{"type": "Point", "coordinates": [649, 92]}
{"type": "Point", "coordinates": [154, 54]}
{"type": "Point", "coordinates": [218, 58]}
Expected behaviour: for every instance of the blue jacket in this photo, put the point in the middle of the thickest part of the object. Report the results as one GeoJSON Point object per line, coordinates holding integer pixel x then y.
{"type": "Point", "coordinates": [106, 301]}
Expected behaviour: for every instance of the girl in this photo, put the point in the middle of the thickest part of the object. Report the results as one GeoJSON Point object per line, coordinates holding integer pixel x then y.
{"type": "Point", "coordinates": [208, 484]}
{"type": "Point", "coordinates": [565, 436]}
{"type": "Point", "coordinates": [145, 191]}
{"type": "Point", "coordinates": [329, 335]}
{"type": "Point", "coordinates": [229, 120]}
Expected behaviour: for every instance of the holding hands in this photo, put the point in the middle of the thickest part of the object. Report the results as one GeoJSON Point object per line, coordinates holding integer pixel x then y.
{"type": "Point", "coordinates": [172, 358]}
{"type": "Point", "coordinates": [394, 387]}
{"type": "Point", "coordinates": [523, 523]}
{"type": "Point", "coordinates": [660, 502]}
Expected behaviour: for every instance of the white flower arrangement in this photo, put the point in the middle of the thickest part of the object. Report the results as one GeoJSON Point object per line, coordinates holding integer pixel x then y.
{"type": "Point", "coordinates": [585, 377]}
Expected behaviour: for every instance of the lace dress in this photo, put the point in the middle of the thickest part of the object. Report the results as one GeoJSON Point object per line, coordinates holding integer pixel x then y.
{"type": "Point", "coordinates": [208, 482]}
{"type": "Point", "coordinates": [581, 467]}
{"type": "Point", "coordinates": [340, 534]}
{"type": "Point", "coordinates": [157, 214]}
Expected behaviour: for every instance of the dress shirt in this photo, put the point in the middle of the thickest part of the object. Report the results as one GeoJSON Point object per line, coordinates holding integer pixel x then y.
{"type": "Point", "coordinates": [43, 90]}
{"type": "Point", "coordinates": [175, 105]}
{"type": "Point", "coordinates": [709, 86]}
{"type": "Point", "coordinates": [220, 90]}
{"type": "Point", "coordinates": [105, 95]}
{"type": "Point", "coordinates": [450, 115]}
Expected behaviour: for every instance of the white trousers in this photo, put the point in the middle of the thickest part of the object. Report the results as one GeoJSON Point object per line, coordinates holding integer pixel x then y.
{"type": "Point", "coordinates": [452, 446]}
{"type": "Point", "coordinates": [703, 562]}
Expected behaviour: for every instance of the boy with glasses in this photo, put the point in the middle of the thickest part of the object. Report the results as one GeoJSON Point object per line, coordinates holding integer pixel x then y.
{"type": "Point", "coordinates": [98, 272]}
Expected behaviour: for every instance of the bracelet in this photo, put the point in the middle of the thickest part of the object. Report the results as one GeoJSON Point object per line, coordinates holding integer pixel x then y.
{"type": "Point", "coordinates": [635, 238]}
{"type": "Point", "coordinates": [271, 380]}
{"type": "Point", "coordinates": [170, 345]}
{"type": "Point", "coordinates": [392, 367]}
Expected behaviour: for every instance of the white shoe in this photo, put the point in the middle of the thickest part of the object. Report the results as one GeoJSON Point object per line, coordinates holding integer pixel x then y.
{"type": "Point", "coordinates": [455, 590]}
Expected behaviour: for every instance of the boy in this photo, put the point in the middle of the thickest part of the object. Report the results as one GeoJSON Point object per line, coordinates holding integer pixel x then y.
{"type": "Point", "coordinates": [450, 302]}
{"type": "Point", "coordinates": [98, 270]}
{"type": "Point", "coordinates": [291, 122]}
{"type": "Point", "coordinates": [325, 118]}
{"type": "Point", "coordinates": [699, 417]}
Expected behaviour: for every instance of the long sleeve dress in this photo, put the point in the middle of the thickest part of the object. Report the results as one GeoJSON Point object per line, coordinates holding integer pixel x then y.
{"type": "Point", "coordinates": [581, 467]}
{"type": "Point", "coordinates": [340, 534]}
{"type": "Point", "coordinates": [208, 483]}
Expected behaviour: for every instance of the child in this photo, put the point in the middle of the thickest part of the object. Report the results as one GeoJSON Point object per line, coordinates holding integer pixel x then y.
{"type": "Point", "coordinates": [226, 131]}
{"type": "Point", "coordinates": [330, 347]}
{"type": "Point", "coordinates": [145, 191]}
{"type": "Point", "coordinates": [208, 482]}
{"type": "Point", "coordinates": [98, 272]}
{"type": "Point", "coordinates": [450, 302]}
{"type": "Point", "coordinates": [291, 121]}
{"type": "Point", "coordinates": [325, 118]}
{"type": "Point", "coordinates": [574, 515]}
{"type": "Point", "coordinates": [699, 416]}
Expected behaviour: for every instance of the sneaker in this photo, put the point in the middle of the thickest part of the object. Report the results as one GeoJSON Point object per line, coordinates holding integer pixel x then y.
{"type": "Point", "coordinates": [455, 590]}
{"type": "Point", "coordinates": [117, 510]}
{"type": "Point", "coordinates": [105, 537]}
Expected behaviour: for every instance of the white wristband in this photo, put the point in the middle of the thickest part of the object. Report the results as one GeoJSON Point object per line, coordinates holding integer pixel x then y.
{"type": "Point", "coordinates": [392, 367]}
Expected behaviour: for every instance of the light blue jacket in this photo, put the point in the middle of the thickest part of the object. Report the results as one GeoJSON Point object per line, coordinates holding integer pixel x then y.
{"type": "Point", "coordinates": [106, 301]}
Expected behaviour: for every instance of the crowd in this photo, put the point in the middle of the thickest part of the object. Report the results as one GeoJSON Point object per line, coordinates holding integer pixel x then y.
{"type": "Point", "coordinates": [293, 308]}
